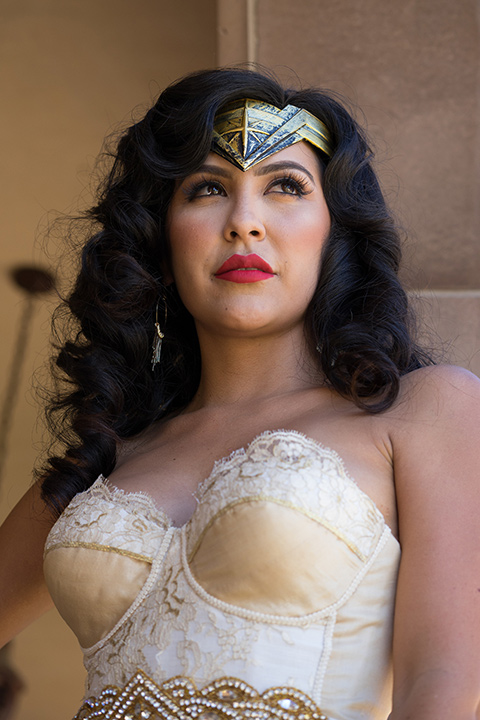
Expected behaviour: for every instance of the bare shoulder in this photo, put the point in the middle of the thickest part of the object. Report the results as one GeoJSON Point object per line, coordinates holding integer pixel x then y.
{"type": "Point", "coordinates": [445, 377]}
{"type": "Point", "coordinates": [436, 392]}
{"type": "Point", "coordinates": [436, 419]}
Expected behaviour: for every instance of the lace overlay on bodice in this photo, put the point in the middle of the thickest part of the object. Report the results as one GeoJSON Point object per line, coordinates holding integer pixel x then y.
{"type": "Point", "coordinates": [283, 577]}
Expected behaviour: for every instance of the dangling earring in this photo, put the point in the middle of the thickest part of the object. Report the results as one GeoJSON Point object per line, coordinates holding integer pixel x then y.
{"type": "Point", "coordinates": [158, 339]}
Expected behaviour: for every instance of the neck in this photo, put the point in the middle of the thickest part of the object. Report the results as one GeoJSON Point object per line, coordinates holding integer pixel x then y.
{"type": "Point", "coordinates": [242, 370]}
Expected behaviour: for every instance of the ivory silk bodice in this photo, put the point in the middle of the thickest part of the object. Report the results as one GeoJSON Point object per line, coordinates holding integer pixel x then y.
{"type": "Point", "coordinates": [275, 600]}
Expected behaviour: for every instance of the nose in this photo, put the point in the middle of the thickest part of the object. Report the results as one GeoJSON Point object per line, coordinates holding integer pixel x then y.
{"type": "Point", "coordinates": [244, 222]}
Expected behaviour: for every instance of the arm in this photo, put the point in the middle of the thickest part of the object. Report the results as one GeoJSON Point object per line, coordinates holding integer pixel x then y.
{"type": "Point", "coordinates": [23, 593]}
{"type": "Point", "coordinates": [437, 617]}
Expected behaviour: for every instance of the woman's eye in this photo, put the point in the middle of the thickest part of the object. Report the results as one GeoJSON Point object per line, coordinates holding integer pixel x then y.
{"type": "Point", "coordinates": [289, 186]}
{"type": "Point", "coordinates": [211, 189]}
{"type": "Point", "coordinates": [206, 189]}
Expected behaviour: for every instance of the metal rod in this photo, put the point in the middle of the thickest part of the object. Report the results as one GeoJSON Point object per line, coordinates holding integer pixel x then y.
{"type": "Point", "coordinates": [14, 377]}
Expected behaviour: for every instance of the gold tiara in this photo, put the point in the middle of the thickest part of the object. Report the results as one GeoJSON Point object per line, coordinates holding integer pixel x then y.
{"type": "Point", "coordinates": [248, 131]}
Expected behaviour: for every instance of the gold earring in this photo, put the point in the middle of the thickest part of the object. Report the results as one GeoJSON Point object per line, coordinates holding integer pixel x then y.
{"type": "Point", "coordinates": [158, 339]}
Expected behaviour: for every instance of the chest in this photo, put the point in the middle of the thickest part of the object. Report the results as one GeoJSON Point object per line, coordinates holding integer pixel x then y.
{"type": "Point", "coordinates": [283, 508]}
{"type": "Point", "coordinates": [171, 468]}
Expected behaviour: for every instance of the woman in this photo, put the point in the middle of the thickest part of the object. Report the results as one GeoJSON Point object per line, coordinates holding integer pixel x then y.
{"type": "Point", "coordinates": [243, 229]}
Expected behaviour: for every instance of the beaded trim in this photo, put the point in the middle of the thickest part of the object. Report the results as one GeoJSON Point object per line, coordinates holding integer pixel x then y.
{"type": "Point", "coordinates": [180, 699]}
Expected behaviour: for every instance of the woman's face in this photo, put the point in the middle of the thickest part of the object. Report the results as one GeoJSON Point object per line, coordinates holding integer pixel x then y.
{"type": "Point", "coordinates": [246, 246]}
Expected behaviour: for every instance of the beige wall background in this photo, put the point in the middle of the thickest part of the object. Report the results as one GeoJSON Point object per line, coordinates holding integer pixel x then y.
{"type": "Point", "coordinates": [71, 71]}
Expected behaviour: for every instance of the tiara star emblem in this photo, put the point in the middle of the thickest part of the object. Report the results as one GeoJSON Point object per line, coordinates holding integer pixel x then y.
{"type": "Point", "coordinates": [248, 131]}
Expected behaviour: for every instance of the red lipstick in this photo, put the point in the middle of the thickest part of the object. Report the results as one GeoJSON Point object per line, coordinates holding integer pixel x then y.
{"type": "Point", "coordinates": [245, 269]}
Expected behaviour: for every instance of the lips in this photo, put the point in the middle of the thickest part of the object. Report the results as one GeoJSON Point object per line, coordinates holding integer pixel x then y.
{"type": "Point", "coordinates": [245, 269]}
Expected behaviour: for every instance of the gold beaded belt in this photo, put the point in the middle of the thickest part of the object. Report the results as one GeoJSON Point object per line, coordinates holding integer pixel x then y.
{"type": "Point", "coordinates": [180, 699]}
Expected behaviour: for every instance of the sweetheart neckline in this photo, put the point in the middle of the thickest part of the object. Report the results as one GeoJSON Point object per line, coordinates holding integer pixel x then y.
{"type": "Point", "coordinates": [207, 483]}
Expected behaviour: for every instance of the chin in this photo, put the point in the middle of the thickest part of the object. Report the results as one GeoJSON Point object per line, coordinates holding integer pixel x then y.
{"type": "Point", "coordinates": [251, 323]}
{"type": "Point", "coordinates": [243, 326]}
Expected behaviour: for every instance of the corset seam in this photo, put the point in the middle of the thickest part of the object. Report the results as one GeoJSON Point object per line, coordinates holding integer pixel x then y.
{"type": "Point", "coordinates": [157, 566]}
{"type": "Point", "coordinates": [324, 659]}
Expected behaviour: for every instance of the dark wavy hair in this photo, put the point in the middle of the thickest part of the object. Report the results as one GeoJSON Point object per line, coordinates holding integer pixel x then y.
{"type": "Point", "coordinates": [358, 319]}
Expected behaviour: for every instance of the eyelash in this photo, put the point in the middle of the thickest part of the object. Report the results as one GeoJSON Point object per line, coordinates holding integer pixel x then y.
{"type": "Point", "coordinates": [192, 190]}
{"type": "Point", "coordinates": [298, 183]}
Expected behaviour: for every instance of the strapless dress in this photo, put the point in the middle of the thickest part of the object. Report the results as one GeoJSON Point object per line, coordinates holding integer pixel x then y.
{"type": "Point", "coordinates": [275, 600]}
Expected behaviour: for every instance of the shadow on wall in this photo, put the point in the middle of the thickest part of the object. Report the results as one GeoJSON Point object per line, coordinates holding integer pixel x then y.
{"type": "Point", "coordinates": [10, 686]}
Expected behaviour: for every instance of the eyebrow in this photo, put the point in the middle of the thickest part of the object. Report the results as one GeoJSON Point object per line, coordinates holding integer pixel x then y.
{"type": "Point", "coordinates": [283, 165]}
{"type": "Point", "coordinates": [213, 169]}
{"type": "Point", "coordinates": [259, 171]}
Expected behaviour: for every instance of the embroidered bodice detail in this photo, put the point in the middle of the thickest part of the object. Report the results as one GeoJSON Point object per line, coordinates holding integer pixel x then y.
{"type": "Point", "coordinates": [130, 521]}
{"type": "Point", "coordinates": [284, 576]}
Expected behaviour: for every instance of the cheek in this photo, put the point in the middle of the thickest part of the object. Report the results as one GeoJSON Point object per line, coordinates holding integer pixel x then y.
{"type": "Point", "coordinates": [307, 249]}
{"type": "Point", "coordinates": [191, 250]}
{"type": "Point", "coordinates": [183, 241]}
{"type": "Point", "coordinates": [313, 234]}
